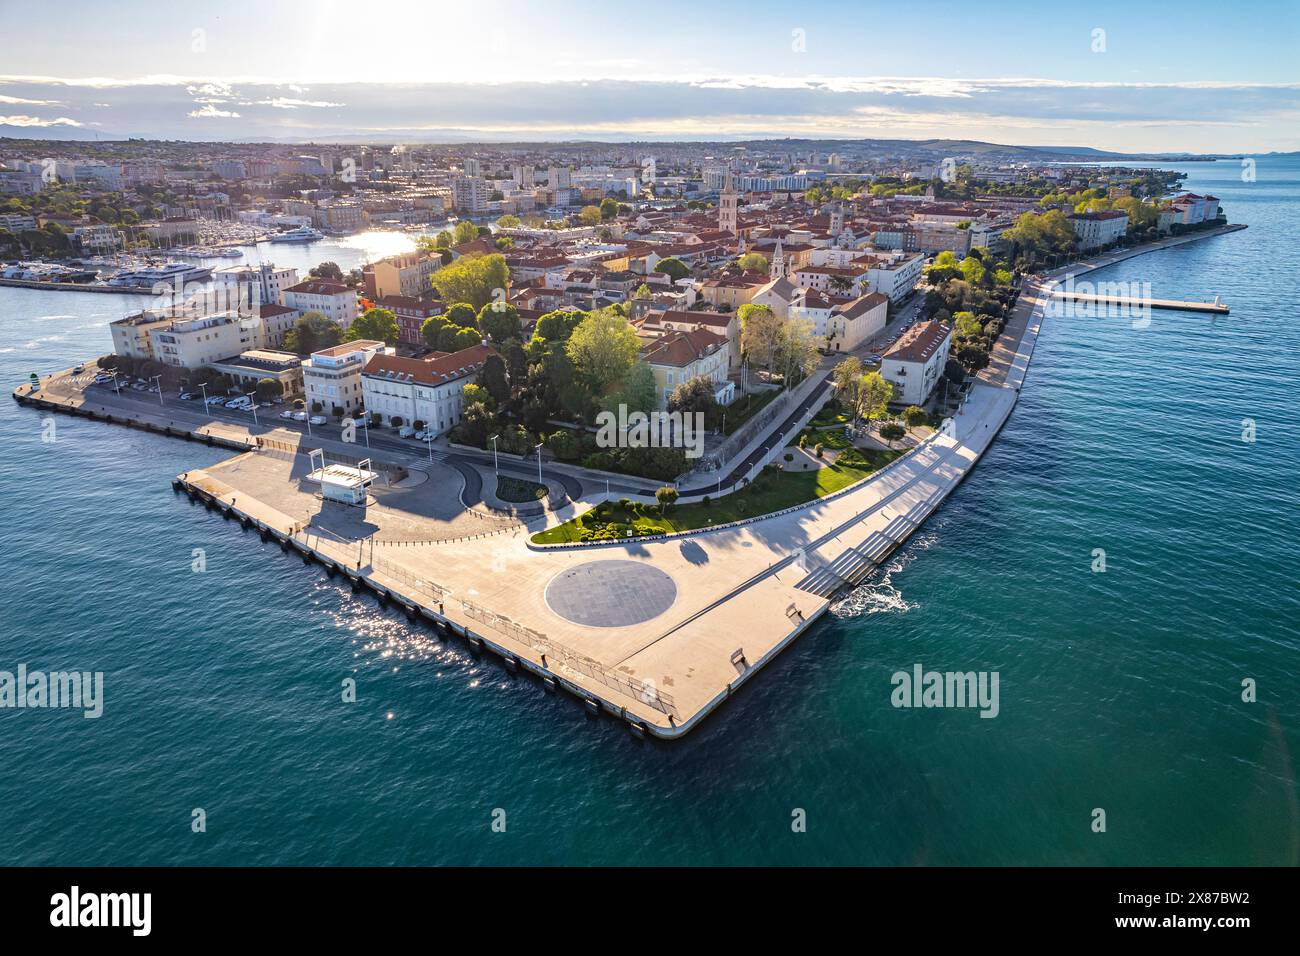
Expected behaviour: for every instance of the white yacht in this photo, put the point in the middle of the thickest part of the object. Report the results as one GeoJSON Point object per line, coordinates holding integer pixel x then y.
{"type": "Point", "coordinates": [299, 234]}
{"type": "Point", "coordinates": [169, 273]}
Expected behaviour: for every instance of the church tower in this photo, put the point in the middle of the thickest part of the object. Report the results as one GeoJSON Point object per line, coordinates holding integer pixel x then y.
{"type": "Point", "coordinates": [837, 220]}
{"type": "Point", "coordinates": [778, 262]}
{"type": "Point", "coordinates": [728, 220]}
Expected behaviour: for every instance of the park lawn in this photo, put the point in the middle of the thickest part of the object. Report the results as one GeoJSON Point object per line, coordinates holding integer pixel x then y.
{"type": "Point", "coordinates": [771, 491]}
{"type": "Point", "coordinates": [833, 437]}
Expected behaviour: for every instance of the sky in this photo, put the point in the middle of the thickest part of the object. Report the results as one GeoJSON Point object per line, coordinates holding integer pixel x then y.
{"type": "Point", "coordinates": [1132, 76]}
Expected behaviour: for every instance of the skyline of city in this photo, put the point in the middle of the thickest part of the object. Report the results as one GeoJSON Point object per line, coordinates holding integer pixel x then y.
{"type": "Point", "coordinates": [1109, 77]}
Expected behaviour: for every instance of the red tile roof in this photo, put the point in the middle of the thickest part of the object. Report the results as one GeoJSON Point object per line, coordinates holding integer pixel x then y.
{"type": "Point", "coordinates": [434, 370]}
{"type": "Point", "coordinates": [920, 343]}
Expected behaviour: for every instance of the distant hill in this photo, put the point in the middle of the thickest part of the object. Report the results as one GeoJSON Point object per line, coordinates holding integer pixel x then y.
{"type": "Point", "coordinates": [55, 133]}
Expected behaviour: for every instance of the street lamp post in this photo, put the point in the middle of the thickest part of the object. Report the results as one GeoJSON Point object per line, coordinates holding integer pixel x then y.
{"type": "Point", "coordinates": [204, 386]}
{"type": "Point", "coordinates": [117, 385]}
{"type": "Point", "coordinates": [365, 423]}
{"type": "Point", "coordinates": [538, 449]}
{"type": "Point", "coordinates": [158, 379]}
{"type": "Point", "coordinates": [252, 397]}
{"type": "Point", "coordinates": [308, 421]}
{"type": "Point", "coordinates": [495, 465]}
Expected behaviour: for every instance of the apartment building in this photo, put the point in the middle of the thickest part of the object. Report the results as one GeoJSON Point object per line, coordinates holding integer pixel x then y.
{"type": "Point", "coordinates": [195, 342]}
{"type": "Point", "coordinates": [256, 285]}
{"type": "Point", "coordinates": [471, 193]}
{"type": "Point", "coordinates": [333, 300]}
{"type": "Point", "coordinates": [404, 391]}
{"type": "Point", "coordinates": [679, 356]}
{"type": "Point", "coordinates": [405, 275]}
{"type": "Point", "coordinates": [851, 324]}
{"type": "Point", "coordinates": [332, 377]}
{"type": "Point", "coordinates": [916, 362]}
{"type": "Point", "coordinates": [1097, 229]}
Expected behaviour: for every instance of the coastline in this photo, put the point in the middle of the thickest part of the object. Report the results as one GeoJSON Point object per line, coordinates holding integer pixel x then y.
{"type": "Point", "coordinates": [836, 543]}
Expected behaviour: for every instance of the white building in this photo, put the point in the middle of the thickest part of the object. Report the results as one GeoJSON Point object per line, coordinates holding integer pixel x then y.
{"type": "Point", "coordinates": [193, 343]}
{"type": "Point", "coordinates": [333, 300]}
{"type": "Point", "coordinates": [852, 323]}
{"type": "Point", "coordinates": [471, 193]}
{"type": "Point", "coordinates": [895, 276]}
{"type": "Point", "coordinates": [405, 391]}
{"type": "Point", "coordinates": [1097, 229]}
{"type": "Point", "coordinates": [332, 377]}
{"type": "Point", "coordinates": [916, 362]}
{"type": "Point", "coordinates": [257, 285]}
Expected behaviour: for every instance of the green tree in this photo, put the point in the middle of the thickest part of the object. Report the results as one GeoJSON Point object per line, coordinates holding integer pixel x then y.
{"type": "Point", "coordinates": [608, 208]}
{"type": "Point", "coordinates": [431, 328]}
{"type": "Point", "coordinates": [892, 432]}
{"type": "Point", "coordinates": [493, 379]}
{"type": "Point", "coordinates": [666, 496]}
{"type": "Point", "coordinates": [327, 270]}
{"type": "Point", "coordinates": [589, 216]}
{"type": "Point", "coordinates": [311, 333]}
{"type": "Point", "coordinates": [753, 262]}
{"type": "Point", "coordinates": [873, 396]}
{"type": "Point", "coordinates": [472, 394]}
{"type": "Point", "coordinates": [472, 279]}
{"type": "Point", "coordinates": [603, 349]}
{"type": "Point", "coordinates": [847, 377]}
{"type": "Point", "coordinates": [463, 232]}
{"type": "Point", "coordinates": [695, 395]}
{"type": "Point", "coordinates": [379, 325]}
{"type": "Point", "coordinates": [500, 320]}
{"type": "Point", "coordinates": [462, 314]}
{"type": "Point", "coordinates": [760, 334]}
{"type": "Point", "coordinates": [673, 268]}
{"type": "Point", "coordinates": [508, 221]}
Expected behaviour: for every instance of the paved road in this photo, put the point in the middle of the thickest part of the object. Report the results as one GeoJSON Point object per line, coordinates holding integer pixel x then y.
{"type": "Point", "coordinates": [780, 437]}
{"type": "Point", "coordinates": [193, 413]}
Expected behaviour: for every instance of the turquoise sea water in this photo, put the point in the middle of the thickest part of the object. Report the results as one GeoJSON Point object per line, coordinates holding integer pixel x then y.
{"type": "Point", "coordinates": [1118, 691]}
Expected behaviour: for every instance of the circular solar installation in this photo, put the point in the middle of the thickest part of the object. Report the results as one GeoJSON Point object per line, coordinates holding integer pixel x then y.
{"type": "Point", "coordinates": [611, 593]}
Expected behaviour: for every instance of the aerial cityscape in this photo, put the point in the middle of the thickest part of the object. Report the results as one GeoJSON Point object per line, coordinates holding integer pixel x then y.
{"type": "Point", "coordinates": [757, 441]}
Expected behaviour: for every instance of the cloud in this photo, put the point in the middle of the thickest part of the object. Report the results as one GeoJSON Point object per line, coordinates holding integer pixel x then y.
{"type": "Point", "coordinates": [287, 103]}
{"type": "Point", "coordinates": [210, 111]}
{"type": "Point", "coordinates": [1196, 116]}
{"type": "Point", "coordinates": [36, 121]}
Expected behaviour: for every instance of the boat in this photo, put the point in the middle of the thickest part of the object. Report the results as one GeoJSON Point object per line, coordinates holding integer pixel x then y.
{"type": "Point", "coordinates": [169, 273]}
{"type": "Point", "coordinates": [298, 234]}
{"type": "Point", "coordinates": [47, 272]}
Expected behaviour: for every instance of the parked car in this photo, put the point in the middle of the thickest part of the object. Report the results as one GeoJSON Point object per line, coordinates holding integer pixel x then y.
{"type": "Point", "coordinates": [287, 415]}
{"type": "Point", "coordinates": [299, 416]}
{"type": "Point", "coordinates": [318, 419]}
{"type": "Point", "coordinates": [406, 431]}
{"type": "Point", "coordinates": [421, 436]}
{"type": "Point", "coordinates": [216, 400]}
{"type": "Point", "coordinates": [78, 370]}
{"type": "Point", "coordinates": [185, 396]}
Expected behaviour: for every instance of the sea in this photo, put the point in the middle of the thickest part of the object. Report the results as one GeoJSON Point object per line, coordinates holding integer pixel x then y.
{"type": "Point", "coordinates": [1123, 559]}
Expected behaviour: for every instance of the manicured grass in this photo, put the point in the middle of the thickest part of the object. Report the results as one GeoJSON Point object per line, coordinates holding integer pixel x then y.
{"type": "Point", "coordinates": [833, 437]}
{"type": "Point", "coordinates": [772, 490]}
{"type": "Point", "coordinates": [518, 491]}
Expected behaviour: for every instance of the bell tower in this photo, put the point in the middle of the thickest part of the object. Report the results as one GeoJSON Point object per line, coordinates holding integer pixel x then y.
{"type": "Point", "coordinates": [728, 219]}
